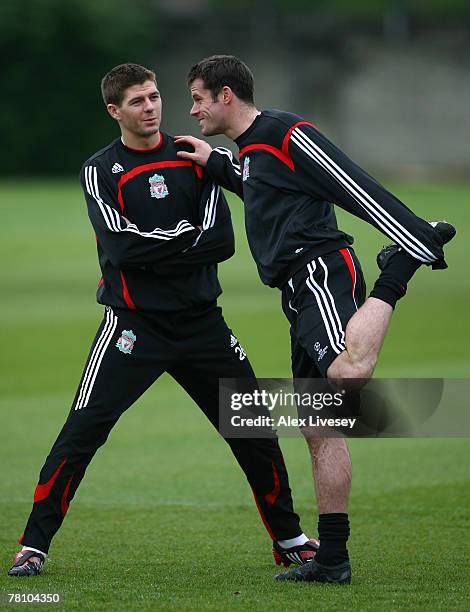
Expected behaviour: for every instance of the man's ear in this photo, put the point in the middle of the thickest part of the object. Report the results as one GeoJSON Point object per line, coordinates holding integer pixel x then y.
{"type": "Point", "coordinates": [226, 94]}
{"type": "Point", "coordinates": [113, 110]}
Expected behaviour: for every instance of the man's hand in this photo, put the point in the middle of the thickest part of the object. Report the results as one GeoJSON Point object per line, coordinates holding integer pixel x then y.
{"type": "Point", "coordinates": [202, 149]}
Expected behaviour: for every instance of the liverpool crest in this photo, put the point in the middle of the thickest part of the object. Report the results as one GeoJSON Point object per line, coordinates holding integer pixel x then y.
{"type": "Point", "coordinates": [246, 169]}
{"type": "Point", "coordinates": [126, 342]}
{"type": "Point", "coordinates": [158, 188]}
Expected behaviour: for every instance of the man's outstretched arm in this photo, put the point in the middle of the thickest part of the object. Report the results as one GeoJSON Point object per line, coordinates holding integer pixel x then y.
{"type": "Point", "coordinates": [326, 171]}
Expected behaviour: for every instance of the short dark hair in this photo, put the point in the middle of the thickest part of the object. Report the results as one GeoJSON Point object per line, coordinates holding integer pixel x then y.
{"type": "Point", "coordinates": [117, 80]}
{"type": "Point", "coordinates": [220, 70]}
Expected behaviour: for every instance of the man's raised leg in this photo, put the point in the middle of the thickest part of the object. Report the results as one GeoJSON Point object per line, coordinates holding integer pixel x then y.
{"type": "Point", "coordinates": [364, 336]}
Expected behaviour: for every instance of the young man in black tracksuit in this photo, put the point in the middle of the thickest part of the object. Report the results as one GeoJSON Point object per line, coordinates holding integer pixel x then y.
{"type": "Point", "coordinates": [161, 226]}
{"type": "Point", "coordinates": [289, 176]}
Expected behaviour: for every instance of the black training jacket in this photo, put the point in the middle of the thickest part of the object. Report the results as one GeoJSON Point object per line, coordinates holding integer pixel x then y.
{"type": "Point", "coordinates": [161, 226]}
{"type": "Point", "coordinates": [288, 177]}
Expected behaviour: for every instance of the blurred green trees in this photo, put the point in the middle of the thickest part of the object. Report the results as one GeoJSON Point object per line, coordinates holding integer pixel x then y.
{"type": "Point", "coordinates": [53, 55]}
{"type": "Point", "coordinates": [364, 7]}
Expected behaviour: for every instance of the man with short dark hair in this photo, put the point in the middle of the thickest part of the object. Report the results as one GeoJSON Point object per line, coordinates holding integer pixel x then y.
{"type": "Point", "coordinates": [289, 176]}
{"type": "Point", "coordinates": [161, 225]}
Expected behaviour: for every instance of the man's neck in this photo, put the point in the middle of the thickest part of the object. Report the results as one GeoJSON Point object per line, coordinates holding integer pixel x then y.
{"type": "Point", "coordinates": [245, 117]}
{"type": "Point", "coordinates": [139, 142]}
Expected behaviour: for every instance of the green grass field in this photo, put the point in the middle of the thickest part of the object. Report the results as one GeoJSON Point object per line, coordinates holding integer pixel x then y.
{"type": "Point", "coordinates": [144, 532]}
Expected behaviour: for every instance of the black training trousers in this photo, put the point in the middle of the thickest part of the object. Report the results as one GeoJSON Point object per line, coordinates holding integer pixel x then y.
{"type": "Point", "coordinates": [130, 351]}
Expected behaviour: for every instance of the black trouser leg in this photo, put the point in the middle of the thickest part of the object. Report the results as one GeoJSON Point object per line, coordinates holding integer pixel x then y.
{"type": "Point", "coordinates": [209, 358]}
{"type": "Point", "coordinates": [111, 382]}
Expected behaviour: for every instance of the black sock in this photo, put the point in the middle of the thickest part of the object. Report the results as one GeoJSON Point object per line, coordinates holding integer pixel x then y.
{"type": "Point", "coordinates": [392, 282]}
{"type": "Point", "coordinates": [333, 533]}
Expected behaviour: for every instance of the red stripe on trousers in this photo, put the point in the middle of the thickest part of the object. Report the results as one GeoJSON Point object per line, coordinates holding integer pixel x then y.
{"type": "Point", "coordinates": [263, 518]}
{"type": "Point", "coordinates": [352, 270]}
{"type": "Point", "coordinates": [273, 495]}
{"type": "Point", "coordinates": [63, 502]}
{"type": "Point", "coordinates": [42, 490]}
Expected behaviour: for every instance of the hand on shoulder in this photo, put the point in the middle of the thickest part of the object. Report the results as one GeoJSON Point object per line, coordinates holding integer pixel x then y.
{"type": "Point", "coordinates": [202, 149]}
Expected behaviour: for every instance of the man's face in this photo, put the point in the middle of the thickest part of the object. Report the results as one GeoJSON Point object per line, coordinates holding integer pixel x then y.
{"type": "Point", "coordinates": [210, 113]}
{"type": "Point", "coordinates": [140, 111]}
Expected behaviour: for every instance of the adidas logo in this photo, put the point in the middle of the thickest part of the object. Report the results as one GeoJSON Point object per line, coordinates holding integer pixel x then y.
{"type": "Point", "coordinates": [233, 341]}
{"type": "Point", "coordinates": [117, 168]}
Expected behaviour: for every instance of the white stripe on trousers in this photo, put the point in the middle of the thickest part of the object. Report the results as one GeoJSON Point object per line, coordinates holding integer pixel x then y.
{"type": "Point", "coordinates": [332, 301]}
{"type": "Point", "coordinates": [290, 282]}
{"type": "Point", "coordinates": [96, 358]}
{"type": "Point", "coordinates": [327, 309]}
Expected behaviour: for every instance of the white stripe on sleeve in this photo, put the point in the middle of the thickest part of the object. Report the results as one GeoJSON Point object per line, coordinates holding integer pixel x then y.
{"type": "Point", "coordinates": [229, 154]}
{"type": "Point", "coordinates": [211, 207]}
{"type": "Point", "coordinates": [116, 223]}
{"type": "Point", "coordinates": [388, 224]}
